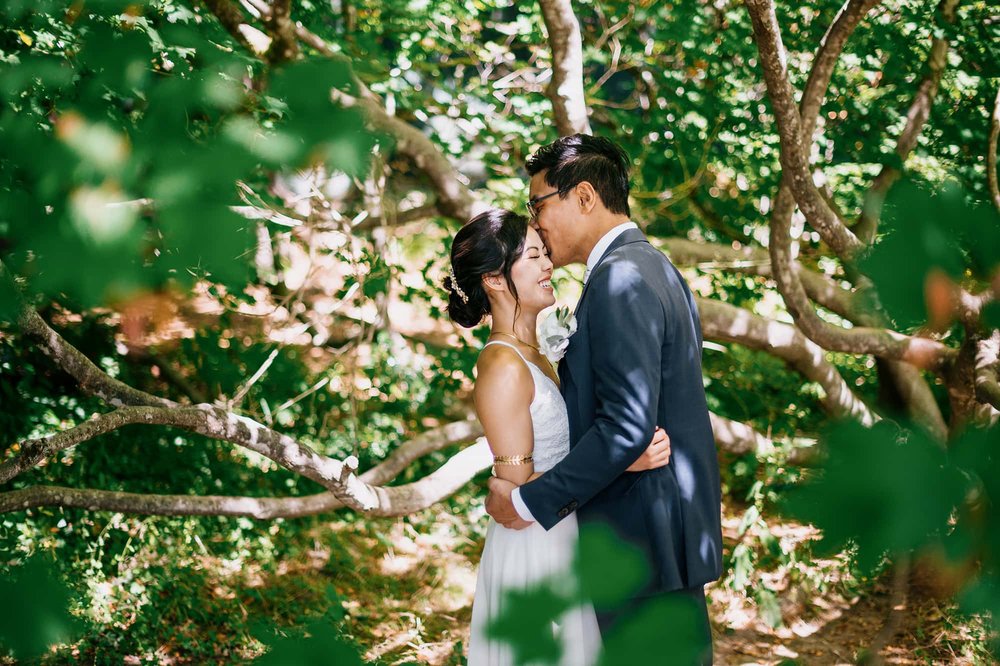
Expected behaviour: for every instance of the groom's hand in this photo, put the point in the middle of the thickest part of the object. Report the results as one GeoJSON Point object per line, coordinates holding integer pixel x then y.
{"type": "Point", "coordinates": [657, 454]}
{"type": "Point", "coordinates": [500, 506]}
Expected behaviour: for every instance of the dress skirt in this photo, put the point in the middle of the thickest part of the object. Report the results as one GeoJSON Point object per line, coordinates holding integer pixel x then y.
{"type": "Point", "coordinates": [520, 560]}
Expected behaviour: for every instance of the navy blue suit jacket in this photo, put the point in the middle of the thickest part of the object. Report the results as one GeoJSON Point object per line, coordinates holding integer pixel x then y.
{"type": "Point", "coordinates": [635, 363]}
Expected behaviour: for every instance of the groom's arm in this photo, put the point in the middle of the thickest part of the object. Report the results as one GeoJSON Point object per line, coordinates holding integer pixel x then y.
{"type": "Point", "coordinates": [626, 327]}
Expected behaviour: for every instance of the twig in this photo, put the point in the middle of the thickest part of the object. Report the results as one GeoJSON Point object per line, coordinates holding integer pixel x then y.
{"type": "Point", "coordinates": [305, 394]}
{"type": "Point", "coordinates": [238, 398]}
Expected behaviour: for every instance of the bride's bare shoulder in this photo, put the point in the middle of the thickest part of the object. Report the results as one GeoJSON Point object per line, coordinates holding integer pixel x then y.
{"type": "Point", "coordinates": [499, 367]}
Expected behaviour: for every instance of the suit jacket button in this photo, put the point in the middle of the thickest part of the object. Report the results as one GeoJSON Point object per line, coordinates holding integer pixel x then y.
{"type": "Point", "coordinates": [563, 512]}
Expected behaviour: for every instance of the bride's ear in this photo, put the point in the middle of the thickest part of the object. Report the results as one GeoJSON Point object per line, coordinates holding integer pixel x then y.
{"type": "Point", "coordinates": [494, 283]}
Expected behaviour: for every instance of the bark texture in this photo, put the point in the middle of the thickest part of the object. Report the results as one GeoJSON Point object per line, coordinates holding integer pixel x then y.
{"type": "Point", "coordinates": [569, 104]}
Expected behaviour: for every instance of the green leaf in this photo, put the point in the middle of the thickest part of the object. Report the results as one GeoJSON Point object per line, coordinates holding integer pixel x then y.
{"type": "Point", "coordinates": [921, 234]}
{"type": "Point", "coordinates": [887, 490]}
{"type": "Point", "coordinates": [610, 570]}
{"type": "Point", "coordinates": [526, 622]}
{"type": "Point", "coordinates": [34, 614]}
{"type": "Point", "coordinates": [666, 631]}
{"type": "Point", "coordinates": [768, 606]}
{"type": "Point", "coordinates": [203, 240]}
{"type": "Point", "coordinates": [743, 566]}
{"type": "Point", "coordinates": [991, 315]}
{"type": "Point", "coordinates": [316, 645]}
{"type": "Point", "coordinates": [8, 297]}
{"type": "Point", "coordinates": [977, 532]}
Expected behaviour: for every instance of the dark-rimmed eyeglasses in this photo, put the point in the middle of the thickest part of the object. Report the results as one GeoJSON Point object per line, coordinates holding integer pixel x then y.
{"type": "Point", "coordinates": [532, 204]}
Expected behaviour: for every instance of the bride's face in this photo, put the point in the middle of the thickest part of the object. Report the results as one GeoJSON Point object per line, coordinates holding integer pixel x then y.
{"type": "Point", "coordinates": [532, 274]}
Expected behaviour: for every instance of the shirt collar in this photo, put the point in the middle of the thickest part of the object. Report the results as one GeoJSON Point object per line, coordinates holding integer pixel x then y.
{"type": "Point", "coordinates": [603, 244]}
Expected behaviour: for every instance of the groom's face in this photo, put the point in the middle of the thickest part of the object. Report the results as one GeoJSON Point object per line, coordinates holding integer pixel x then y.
{"type": "Point", "coordinates": [556, 220]}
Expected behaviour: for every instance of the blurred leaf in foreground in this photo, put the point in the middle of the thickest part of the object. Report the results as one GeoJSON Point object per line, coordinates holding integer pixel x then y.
{"type": "Point", "coordinates": [35, 610]}
{"type": "Point", "coordinates": [317, 644]}
{"type": "Point", "coordinates": [885, 489]}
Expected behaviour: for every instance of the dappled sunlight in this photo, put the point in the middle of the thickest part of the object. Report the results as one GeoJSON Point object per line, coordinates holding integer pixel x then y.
{"type": "Point", "coordinates": [224, 228]}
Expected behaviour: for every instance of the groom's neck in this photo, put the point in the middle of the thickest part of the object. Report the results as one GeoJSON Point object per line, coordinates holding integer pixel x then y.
{"type": "Point", "coordinates": [597, 228]}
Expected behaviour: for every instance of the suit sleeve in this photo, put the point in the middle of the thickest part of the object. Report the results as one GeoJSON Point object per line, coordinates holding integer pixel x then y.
{"type": "Point", "coordinates": [626, 326]}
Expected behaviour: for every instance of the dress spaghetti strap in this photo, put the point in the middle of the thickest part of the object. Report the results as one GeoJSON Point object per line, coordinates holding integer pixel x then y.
{"type": "Point", "coordinates": [507, 344]}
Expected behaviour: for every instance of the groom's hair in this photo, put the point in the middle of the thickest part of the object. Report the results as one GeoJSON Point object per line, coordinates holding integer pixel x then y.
{"type": "Point", "coordinates": [581, 157]}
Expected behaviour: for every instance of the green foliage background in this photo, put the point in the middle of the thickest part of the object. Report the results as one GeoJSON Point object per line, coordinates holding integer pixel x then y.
{"type": "Point", "coordinates": [156, 109]}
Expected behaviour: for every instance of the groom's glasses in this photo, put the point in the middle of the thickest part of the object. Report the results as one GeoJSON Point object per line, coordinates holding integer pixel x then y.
{"type": "Point", "coordinates": [532, 204]}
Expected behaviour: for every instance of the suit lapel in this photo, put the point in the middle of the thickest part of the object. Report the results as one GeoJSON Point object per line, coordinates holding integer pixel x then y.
{"type": "Point", "coordinates": [625, 238]}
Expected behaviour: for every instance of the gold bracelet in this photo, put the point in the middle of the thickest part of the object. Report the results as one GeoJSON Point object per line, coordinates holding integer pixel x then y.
{"type": "Point", "coordinates": [512, 460]}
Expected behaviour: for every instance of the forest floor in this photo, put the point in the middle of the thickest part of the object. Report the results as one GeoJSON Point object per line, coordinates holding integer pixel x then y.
{"type": "Point", "coordinates": [410, 593]}
{"type": "Point", "coordinates": [406, 587]}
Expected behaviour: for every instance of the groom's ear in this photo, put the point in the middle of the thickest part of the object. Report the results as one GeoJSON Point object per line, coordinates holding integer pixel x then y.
{"type": "Point", "coordinates": [587, 196]}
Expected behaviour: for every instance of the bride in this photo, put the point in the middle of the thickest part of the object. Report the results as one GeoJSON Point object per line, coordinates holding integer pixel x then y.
{"type": "Point", "coordinates": [501, 268]}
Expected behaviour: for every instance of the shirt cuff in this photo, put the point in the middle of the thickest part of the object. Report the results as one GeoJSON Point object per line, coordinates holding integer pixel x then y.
{"type": "Point", "coordinates": [520, 506]}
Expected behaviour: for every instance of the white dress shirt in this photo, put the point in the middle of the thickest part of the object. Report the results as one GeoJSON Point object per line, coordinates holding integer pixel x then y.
{"type": "Point", "coordinates": [595, 256]}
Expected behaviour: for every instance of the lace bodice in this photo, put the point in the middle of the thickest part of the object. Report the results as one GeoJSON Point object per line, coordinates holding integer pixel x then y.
{"type": "Point", "coordinates": [549, 422]}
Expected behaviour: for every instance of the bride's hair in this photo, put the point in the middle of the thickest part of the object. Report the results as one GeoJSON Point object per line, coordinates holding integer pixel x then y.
{"type": "Point", "coordinates": [488, 245]}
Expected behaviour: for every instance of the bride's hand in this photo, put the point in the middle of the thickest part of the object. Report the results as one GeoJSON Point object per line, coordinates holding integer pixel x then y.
{"type": "Point", "coordinates": [657, 454]}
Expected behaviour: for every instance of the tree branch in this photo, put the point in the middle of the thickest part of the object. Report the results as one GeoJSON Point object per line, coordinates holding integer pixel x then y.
{"type": "Point", "coordinates": [400, 217]}
{"type": "Point", "coordinates": [921, 405]}
{"type": "Point", "coordinates": [755, 261]}
{"type": "Point", "coordinates": [232, 19]}
{"type": "Point", "coordinates": [988, 370]}
{"type": "Point", "coordinates": [830, 49]}
{"type": "Point", "coordinates": [922, 352]}
{"type": "Point", "coordinates": [34, 451]}
{"type": "Point", "coordinates": [335, 475]}
{"type": "Point", "coordinates": [916, 118]}
{"type": "Point", "coordinates": [566, 88]}
{"type": "Point", "coordinates": [991, 153]}
{"type": "Point", "coordinates": [91, 379]}
{"type": "Point", "coordinates": [433, 440]}
{"type": "Point", "coordinates": [731, 436]}
{"type": "Point", "coordinates": [728, 323]}
{"type": "Point", "coordinates": [455, 200]}
{"type": "Point", "coordinates": [793, 153]}
{"type": "Point", "coordinates": [284, 42]}
{"type": "Point", "coordinates": [392, 501]}
{"type": "Point", "coordinates": [740, 439]}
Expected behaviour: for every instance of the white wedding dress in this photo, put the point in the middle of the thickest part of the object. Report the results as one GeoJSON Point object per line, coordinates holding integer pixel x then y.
{"type": "Point", "coordinates": [520, 559]}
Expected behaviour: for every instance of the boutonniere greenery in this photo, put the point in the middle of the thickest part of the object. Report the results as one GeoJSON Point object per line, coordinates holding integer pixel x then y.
{"type": "Point", "coordinates": [554, 333]}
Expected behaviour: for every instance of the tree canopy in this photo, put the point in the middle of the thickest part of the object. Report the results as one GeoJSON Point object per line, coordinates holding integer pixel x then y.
{"type": "Point", "coordinates": [223, 226]}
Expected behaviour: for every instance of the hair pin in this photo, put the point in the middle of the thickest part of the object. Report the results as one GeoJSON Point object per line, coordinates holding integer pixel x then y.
{"type": "Point", "coordinates": [454, 285]}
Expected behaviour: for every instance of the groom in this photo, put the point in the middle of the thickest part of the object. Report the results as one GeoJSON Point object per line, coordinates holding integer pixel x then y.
{"type": "Point", "coordinates": [634, 362]}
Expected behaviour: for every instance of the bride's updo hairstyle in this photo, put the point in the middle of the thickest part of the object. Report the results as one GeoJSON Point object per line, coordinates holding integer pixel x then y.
{"type": "Point", "coordinates": [488, 245]}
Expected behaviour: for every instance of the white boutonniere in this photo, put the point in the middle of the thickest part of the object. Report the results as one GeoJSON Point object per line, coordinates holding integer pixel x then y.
{"type": "Point", "coordinates": [554, 333]}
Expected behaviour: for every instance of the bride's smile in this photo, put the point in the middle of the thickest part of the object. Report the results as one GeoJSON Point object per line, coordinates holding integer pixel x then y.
{"type": "Point", "coordinates": [531, 275]}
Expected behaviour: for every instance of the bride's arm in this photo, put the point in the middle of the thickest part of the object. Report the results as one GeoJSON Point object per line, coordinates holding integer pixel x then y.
{"type": "Point", "coordinates": [503, 394]}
